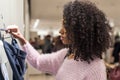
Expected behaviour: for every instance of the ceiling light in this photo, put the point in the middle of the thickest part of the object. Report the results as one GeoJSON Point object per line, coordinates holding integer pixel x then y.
{"type": "Point", "coordinates": [36, 23]}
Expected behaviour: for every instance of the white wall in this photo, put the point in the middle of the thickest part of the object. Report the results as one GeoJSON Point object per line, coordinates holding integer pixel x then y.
{"type": "Point", "coordinates": [12, 11]}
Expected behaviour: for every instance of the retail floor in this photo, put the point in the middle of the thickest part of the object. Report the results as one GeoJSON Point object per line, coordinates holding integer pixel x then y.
{"type": "Point", "coordinates": [41, 77]}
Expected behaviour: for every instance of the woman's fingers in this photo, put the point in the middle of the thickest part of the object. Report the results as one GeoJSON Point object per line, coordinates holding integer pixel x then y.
{"type": "Point", "coordinates": [16, 35]}
{"type": "Point", "coordinates": [13, 29]}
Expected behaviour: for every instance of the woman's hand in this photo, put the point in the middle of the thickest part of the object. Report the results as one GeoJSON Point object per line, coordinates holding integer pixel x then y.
{"type": "Point", "coordinates": [14, 30]}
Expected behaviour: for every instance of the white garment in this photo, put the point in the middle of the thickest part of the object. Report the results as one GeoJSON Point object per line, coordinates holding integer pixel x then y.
{"type": "Point", "coordinates": [2, 53]}
{"type": "Point", "coordinates": [4, 71]}
{"type": "Point", "coordinates": [3, 62]}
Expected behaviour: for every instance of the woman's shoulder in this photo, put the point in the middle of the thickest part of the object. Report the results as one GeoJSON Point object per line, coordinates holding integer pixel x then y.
{"type": "Point", "coordinates": [97, 64]}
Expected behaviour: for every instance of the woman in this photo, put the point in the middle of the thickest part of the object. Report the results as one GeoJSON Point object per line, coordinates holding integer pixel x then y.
{"type": "Point", "coordinates": [86, 31]}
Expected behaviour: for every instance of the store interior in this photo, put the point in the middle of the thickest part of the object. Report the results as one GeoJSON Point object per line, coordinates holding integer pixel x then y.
{"type": "Point", "coordinates": [42, 17]}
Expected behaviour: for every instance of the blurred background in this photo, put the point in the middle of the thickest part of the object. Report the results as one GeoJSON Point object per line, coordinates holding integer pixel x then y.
{"type": "Point", "coordinates": [42, 19]}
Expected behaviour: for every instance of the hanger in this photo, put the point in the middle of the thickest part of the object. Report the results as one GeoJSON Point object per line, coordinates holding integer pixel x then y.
{"type": "Point", "coordinates": [2, 36]}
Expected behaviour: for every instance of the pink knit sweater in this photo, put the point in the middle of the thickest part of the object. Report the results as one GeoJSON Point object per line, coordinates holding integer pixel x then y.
{"type": "Point", "coordinates": [65, 69]}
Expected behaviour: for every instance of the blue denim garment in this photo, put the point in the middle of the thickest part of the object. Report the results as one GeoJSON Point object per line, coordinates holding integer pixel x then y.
{"type": "Point", "coordinates": [16, 58]}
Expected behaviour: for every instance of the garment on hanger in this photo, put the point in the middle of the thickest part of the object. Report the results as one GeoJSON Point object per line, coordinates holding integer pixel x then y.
{"type": "Point", "coordinates": [16, 58]}
{"type": "Point", "coordinates": [5, 68]}
{"type": "Point", "coordinates": [3, 61]}
{"type": "Point", "coordinates": [4, 71]}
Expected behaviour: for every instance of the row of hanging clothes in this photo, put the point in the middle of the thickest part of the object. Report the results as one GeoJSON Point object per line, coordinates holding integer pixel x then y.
{"type": "Point", "coordinates": [12, 58]}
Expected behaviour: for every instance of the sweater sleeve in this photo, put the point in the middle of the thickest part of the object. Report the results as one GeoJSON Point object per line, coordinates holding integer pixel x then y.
{"type": "Point", "coordinates": [49, 63]}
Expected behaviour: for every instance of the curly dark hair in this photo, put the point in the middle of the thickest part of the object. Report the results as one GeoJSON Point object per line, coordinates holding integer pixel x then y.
{"type": "Point", "coordinates": [87, 28]}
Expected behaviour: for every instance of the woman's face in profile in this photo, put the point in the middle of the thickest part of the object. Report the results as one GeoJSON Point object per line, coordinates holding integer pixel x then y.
{"type": "Point", "coordinates": [63, 36]}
